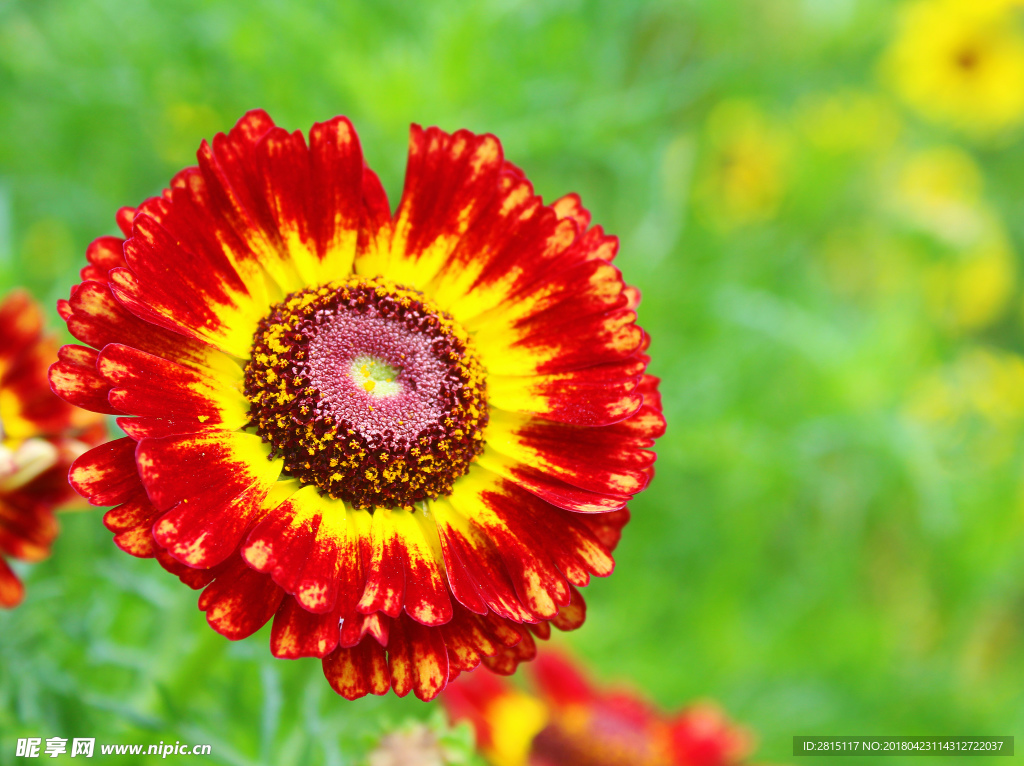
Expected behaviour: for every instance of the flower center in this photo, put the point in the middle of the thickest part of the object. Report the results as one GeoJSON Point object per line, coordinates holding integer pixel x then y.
{"type": "Point", "coordinates": [367, 390]}
{"type": "Point", "coordinates": [968, 59]}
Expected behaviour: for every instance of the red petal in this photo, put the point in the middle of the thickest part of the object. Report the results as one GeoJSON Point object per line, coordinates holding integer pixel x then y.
{"type": "Point", "coordinates": [124, 218]}
{"type": "Point", "coordinates": [355, 627]}
{"type": "Point", "coordinates": [310, 547]}
{"type": "Point", "coordinates": [572, 616]}
{"type": "Point", "coordinates": [417, 659]}
{"type": "Point", "coordinates": [583, 290]}
{"type": "Point", "coordinates": [427, 599]}
{"type": "Point", "coordinates": [106, 475]}
{"type": "Point", "coordinates": [475, 567]}
{"type": "Point", "coordinates": [298, 633]}
{"type": "Point", "coordinates": [151, 386]}
{"type": "Point", "coordinates": [591, 244]}
{"type": "Point", "coordinates": [137, 542]}
{"type": "Point", "coordinates": [649, 388]}
{"type": "Point", "coordinates": [573, 343]}
{"type": "Point", "coordinates": [337, 181]}
{"type": "Point", "coordinates": [240, 601]}
{"type": "Point", "coordinates": [448, 181]}
{"type": "Point", "coordinates": [228, 206]}
{"type": "Point", "coordinates": [185, 281]}
{"type": "Point", "coordinates": [132, 522]}
{"type": "Point", "coordinates": [375, 223]}
{"type": "Point", "coordinates": [12, 592]}
{"type": "Point", "coordinates": [541, 630]}
{"type": "Point", "coordinates": [284, 190]}
{"type": "Point", "coordinates": [605, 461]}
{"type": "Point", "coordinates": [196, 579]}
{"type": "Point", "coordinates": [606, 527]}
{"type": "Point", "coordinates": [204, 531]}
{"type": "Point", "coordinates": [77, 381]}
{"type": "Point", "coordinates": [183, 467]}
{"type": "Point", "coordinates": [632, 297]}
{"type": "Point", "coordinates": [385, 572]}
{"type": "Point", "coordinates": [406, 568]}
{"type": "Point", "coordinates": [506, 661]}
{"type": "Point", "coordinates": [313, 200]}
{"type": "Point", "coordinates": [157, 428]}
{"type": "Point", "coordinates": [401, 665]}
{"type": "Point", "coordinates": [643, 427]}
{"type": "Point", "coordinates": [103, 254]}
{"type": "Point", "coordinates": [571, 206]}
{"type": "Point", "coordinates": [514, 241]}
{"type": "Point", "coordinates": [357, 671]}
{"type": "Point", "coordinates": [586, 290]}
{"type": "Point", "coordinates": [514, 531]}
{"type": "Point", "coordinates": [469, 639]}
{"type": "Point", "coordinates": [595, 244]}
{"type": "Point", "coordinates": [214, 484]}
{"type": "Point", "coordinates": [549, 488]}
{"type": "Point", "coordinates": [593, 396]}
{"type": "Point", "coordinates": [99, 320]}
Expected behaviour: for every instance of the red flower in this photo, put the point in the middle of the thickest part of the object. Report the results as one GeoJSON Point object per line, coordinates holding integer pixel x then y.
{"type": "Point", "coordinates": [423, 427]}
{"type": "Point", "coordinates": [569, 723]}
{"type": "Point", "coordinates": [41, 435]}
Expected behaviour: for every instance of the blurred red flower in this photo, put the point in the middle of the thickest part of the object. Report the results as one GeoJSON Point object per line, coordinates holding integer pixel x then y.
{"type": "Point", "coordinates": [568, 722]}
{"type": "Point", "coordinates": [40, 436]}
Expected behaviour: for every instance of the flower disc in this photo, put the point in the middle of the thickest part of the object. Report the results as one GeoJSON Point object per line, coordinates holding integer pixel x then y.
{"type": "Point", "coordinates": [368, 391]}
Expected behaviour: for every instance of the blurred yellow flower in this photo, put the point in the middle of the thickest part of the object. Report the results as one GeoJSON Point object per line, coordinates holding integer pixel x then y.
{"type": "Point", "coordinates": [973, 291]}
{"type": "Point", "coordinates": [961, 63]}
{"type": "Point", "coordinates": [990, 382]}
{"type": "Point", "coordinates": [744, 173]}
{"type": "Point", "coordinates": [848, 121]}
{"type": "Point", "coordinates": [959, 263]}
{"type": "Point", "coordinates": [982, 385]}
{"type": "Point", "coordinates": [939, 192]}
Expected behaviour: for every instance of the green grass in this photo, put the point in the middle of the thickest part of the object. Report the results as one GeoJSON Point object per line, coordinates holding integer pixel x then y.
{"type": "Point", "coordinates": [812, 554]}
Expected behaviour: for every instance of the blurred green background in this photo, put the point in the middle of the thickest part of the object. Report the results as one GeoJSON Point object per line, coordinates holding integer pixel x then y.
{"type": "Point", "coordinates": [829, 256]}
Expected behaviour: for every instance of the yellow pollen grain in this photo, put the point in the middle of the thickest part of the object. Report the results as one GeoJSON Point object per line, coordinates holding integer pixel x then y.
{"type": "Point", "coordinates": [369, 385]}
